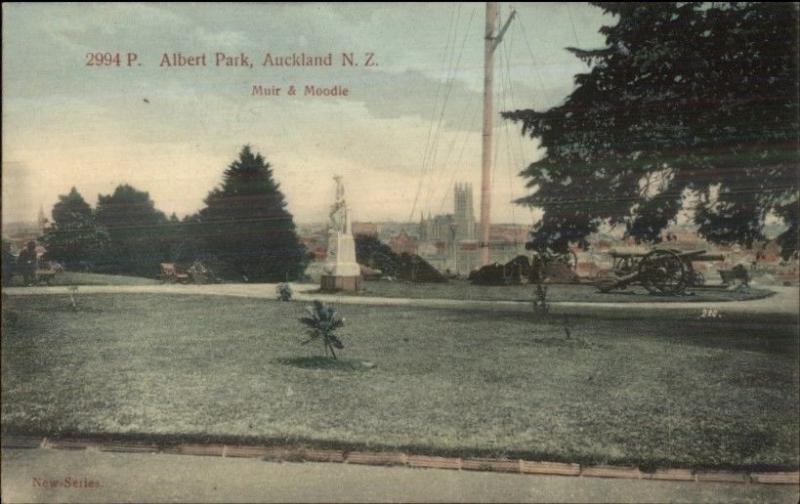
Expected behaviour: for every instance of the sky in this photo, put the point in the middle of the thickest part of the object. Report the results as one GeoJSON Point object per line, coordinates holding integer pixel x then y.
{"type": "Point", "coordinates": [408, 129]}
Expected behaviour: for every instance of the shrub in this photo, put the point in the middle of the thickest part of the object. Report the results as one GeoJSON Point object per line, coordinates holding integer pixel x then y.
{"type": "Point", "coordinates": [322, 322]}
{"type": "Point", "coordinates": [284, 291]}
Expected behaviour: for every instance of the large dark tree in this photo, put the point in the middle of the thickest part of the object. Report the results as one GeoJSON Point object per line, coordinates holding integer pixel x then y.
{"type": "Point", "coordinates": [245, 224]}
{"type": "Point", "coordinates": [688, 105]}
{"type": "Point", "coordinates": [373, 253]}
{"type": "Point", "coordinates": [74, 239]}
{"type": "Point", "coordinates": [136, 232]}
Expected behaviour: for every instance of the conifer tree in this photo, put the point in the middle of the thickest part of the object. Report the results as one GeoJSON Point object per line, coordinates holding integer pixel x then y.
{"type": "Point", "coordinates": [135, 229]}
{"type": "Point", "coordinates": [246, 225]}
{"type": "Point", "coordinates": [73, 239]}
{"type": "Point", "coordinates": [689, 105]}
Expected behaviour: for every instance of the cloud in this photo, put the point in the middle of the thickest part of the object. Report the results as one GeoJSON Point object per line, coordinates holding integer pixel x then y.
{"type": "Point", "coordinates": [69, 124]}
{"type": "Point", "coordinates": [413, 94]}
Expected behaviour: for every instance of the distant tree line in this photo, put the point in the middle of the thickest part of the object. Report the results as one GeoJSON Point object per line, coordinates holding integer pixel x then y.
{"type": "Point", "coordinates": [243, 233]}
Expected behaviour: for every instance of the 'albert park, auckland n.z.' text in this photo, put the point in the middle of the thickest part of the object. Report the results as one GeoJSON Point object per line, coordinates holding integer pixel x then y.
{"type": "Point", "coordinates": [236, 60]}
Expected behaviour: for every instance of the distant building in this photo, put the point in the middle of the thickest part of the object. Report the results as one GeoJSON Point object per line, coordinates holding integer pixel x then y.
{"type": "Point", "coordinates": [20, 233]}
{"type": "Point", "coordinates": [403, 244]}
{"type": "Point", "coordinates": [316, 246]}
{"type": "Point", "coordinates": [449, 241]}
{"type": "Point", "coordinates": [509, 233]}
{"type": "Point", "coordinates": [459, 225]}
{"type": "Point", "coordinates": [464, 212]}
{"type": "Point", "coordinates": [365, 229]}
{"type": "Point", "coordinates": [387, 229]}
{"type": "Point", "coordinates": [438, 228]}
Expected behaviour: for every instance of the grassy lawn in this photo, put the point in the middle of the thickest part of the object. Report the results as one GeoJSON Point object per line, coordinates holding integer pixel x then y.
{"type": "Point", "coordinates": [77, 278]}
{"type": "Point", "coordinates": [709, 393]}
{"type": "Point", "coordinates": [462, 289]}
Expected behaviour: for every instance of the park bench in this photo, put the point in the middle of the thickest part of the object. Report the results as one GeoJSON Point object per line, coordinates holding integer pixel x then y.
{"type": "Point", "coordinates": [45, 276]}
{"type": "Point", "coordinates": [171, 274]}
{"type": "Point", "coordinates": [46, 271]}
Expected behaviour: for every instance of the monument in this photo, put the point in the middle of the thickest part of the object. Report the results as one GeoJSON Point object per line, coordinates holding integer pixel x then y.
{"type": "Point", "coordinates": [341, 271]}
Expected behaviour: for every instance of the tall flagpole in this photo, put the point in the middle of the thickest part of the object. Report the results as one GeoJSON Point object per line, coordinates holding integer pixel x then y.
{"type": "Point", "coordinates": [488, 120]}
{"type": "Point", "coordinates": [491, 41]}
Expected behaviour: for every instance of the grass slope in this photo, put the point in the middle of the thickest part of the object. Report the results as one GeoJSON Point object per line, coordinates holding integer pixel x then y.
{"type": "Point", "coordinates": [78, 278]}
{"type": "Point", "coordinates": [686, 393]}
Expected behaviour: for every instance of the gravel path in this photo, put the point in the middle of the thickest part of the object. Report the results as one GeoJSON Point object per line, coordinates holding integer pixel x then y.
{"type": "Point", "coordinates": [785, 302]}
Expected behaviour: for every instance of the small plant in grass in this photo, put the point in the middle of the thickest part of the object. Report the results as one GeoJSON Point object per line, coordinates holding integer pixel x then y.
{"type": "Point", "coordinates": [540, 304]}
{"type": "Point", "coordinates": [73, 289]}
{"type": "Point", "coordinates": [537, 277]}
{"type": "Point", "coordinates": [322, 322]}
{"type": "Point", "coordinates": [284, 291]}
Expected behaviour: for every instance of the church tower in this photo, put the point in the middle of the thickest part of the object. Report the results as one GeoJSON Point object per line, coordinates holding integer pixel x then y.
{"type": "Point", "coordinates": [464, 212]}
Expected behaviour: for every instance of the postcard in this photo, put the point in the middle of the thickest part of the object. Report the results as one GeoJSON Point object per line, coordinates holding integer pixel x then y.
{"type": "Point", "coordinates": [400, 252]}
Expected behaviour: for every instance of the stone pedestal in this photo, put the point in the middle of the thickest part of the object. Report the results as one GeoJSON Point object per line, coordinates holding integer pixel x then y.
{"type": "Point", "coordinates": [331, 283]}
{"type": "Point", "coordinates": [341, 271]}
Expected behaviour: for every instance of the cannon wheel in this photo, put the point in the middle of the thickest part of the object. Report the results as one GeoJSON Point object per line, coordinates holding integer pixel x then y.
{"type": "Point", "coordinates": [663, 272]}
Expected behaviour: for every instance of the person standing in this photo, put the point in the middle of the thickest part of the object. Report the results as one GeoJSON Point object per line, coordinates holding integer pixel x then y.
{"type": "Point", "coordinates": [26, 263]}
{"type": "Point", "coordinates": [9, 263]}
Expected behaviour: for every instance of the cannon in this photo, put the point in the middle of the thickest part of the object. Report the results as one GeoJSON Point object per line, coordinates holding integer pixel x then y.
{"type": "Point", "coordinates": [665, 272]}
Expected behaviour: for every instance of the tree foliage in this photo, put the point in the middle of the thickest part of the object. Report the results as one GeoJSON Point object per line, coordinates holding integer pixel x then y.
{"type": "Point", "coordinates": [244, 231]}
{"type": "Point", "coordinates": [688, 106]}
{"type": "Point", "coordinates": [128, 209]}
{"type": "Point", "coordinates": [136, 231]}
{"type": "Point", "coordinates": [373, 253]}
{"type": "Point", "coordinates": [74, 238]}
{"type": "Point", "coordinates": [246, 225]}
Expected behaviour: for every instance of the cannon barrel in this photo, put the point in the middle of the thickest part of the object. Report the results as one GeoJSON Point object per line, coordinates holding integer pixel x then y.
{"type": "Point", "coordinates": [699, 255]}
{"type": "Point", "coordinates": [709, 257]}
{"type": "Point", "coordinates": [620, 282]}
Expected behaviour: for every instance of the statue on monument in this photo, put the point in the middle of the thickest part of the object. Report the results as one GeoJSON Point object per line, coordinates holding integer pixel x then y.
{"type": "Point", "coordinates": [341, 271]}
{"type": "Point", "coordinates": [338, 218]}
